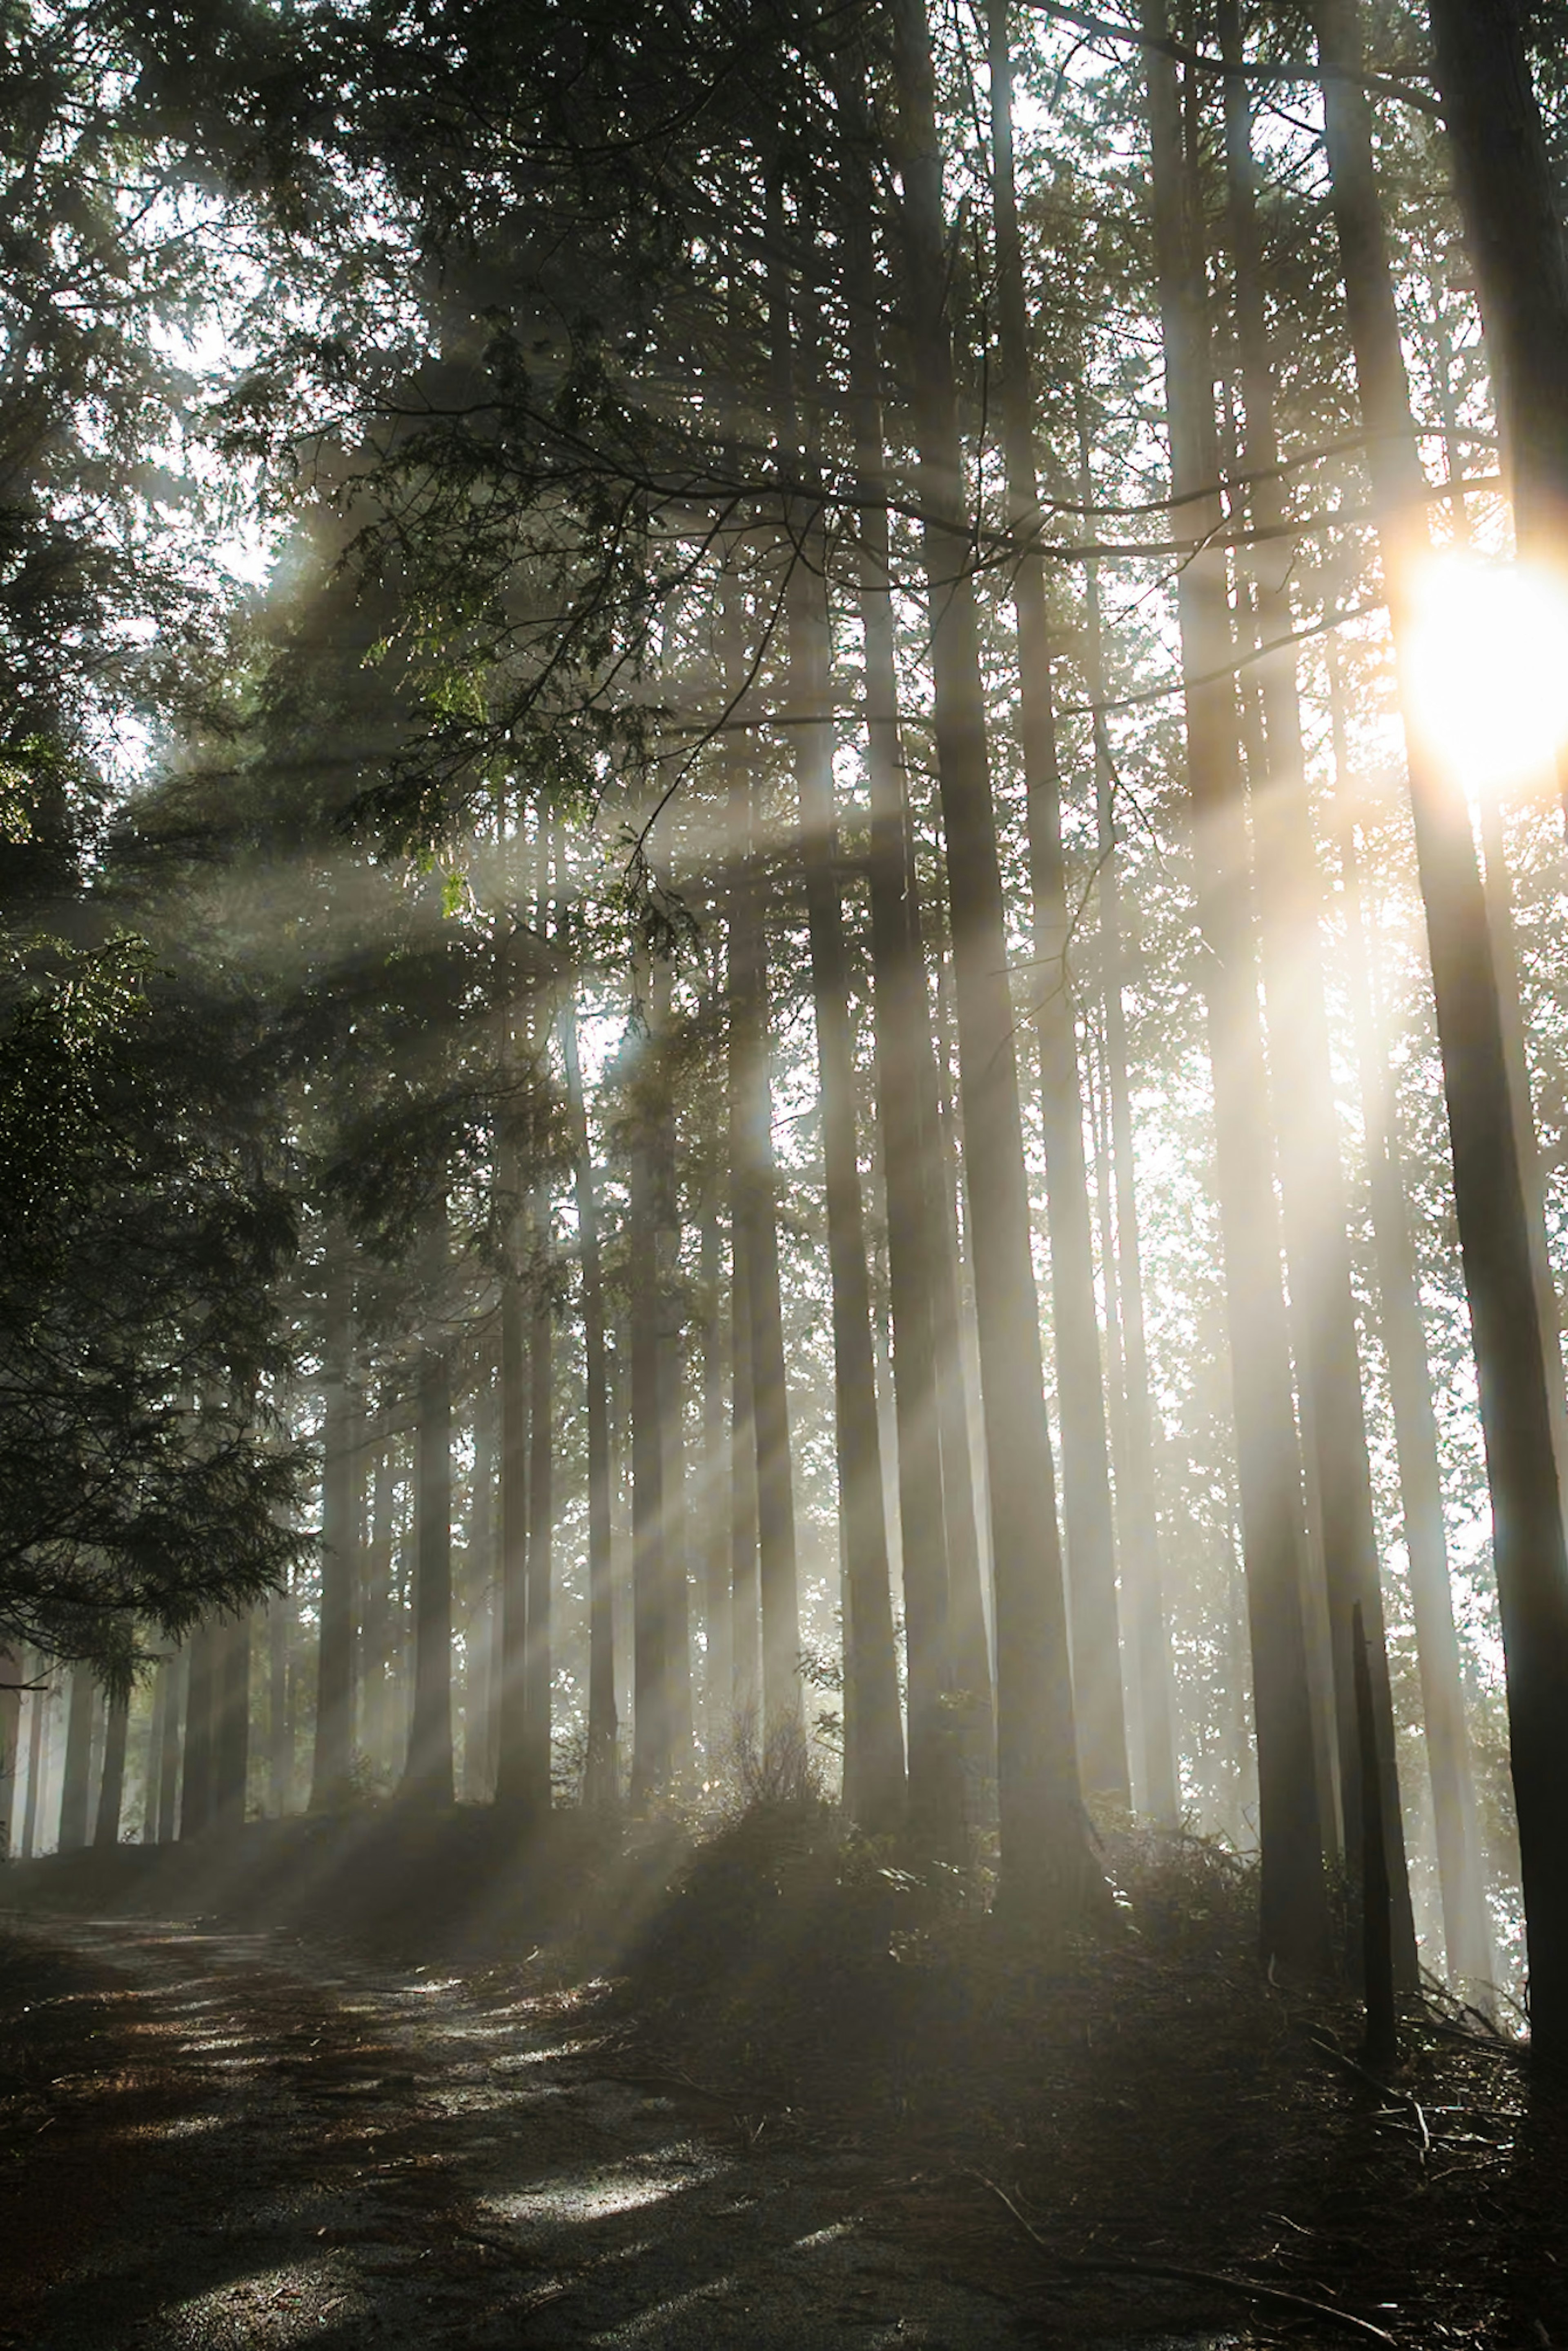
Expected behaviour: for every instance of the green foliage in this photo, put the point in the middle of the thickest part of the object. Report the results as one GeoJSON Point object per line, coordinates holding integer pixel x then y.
{"type": "Point", "coordinates": [144, 1478]}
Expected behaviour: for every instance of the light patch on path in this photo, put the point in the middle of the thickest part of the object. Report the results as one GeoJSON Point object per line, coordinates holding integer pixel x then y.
{"type": "Point", "coordinates": [375, 2162]}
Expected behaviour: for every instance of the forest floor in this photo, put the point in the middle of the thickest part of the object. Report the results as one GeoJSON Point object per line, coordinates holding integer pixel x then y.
{"type": "Point", "coordinates": [768, 2090]}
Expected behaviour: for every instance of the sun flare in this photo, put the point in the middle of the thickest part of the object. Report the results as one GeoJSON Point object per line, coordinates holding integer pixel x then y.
{"type": "Point", "coordinates": [1489, 668]}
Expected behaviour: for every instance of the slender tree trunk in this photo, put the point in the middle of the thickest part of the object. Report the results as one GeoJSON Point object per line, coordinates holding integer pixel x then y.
{"type": "Point", "coordinates": [870, 1672]}
{"type": "Point", "coordinates": [601, 1775]}
{"type": "Point", "coordinates": [718, 1700]}
{"type": "Point", "coordinates": [279, 1776]}
{"type": "Point", "coordinates": [333, 1757]}
{"type": "Point", "coordinates": [511, 1591]}
{"type": "Point", "coordinates": [903, 1038]}
{"type": "Point", "coordinates": [1528, 1544]}
{"type": "Point", "coordinates": [1293, 1921]}
{"type": "Point", "coordinates": [75, 1785]}
{"type": "Point", "coordinates": [157, 1731]}
{"type": "Point", "coordinates": [1466, 1936]}
{"type": "Point", "coordinates": [952, 1320]}
{"type": "Point", "coordinates": [483, 1611]}
{"type": "Point", "coordinates": [1142, 1577]}
{"type": "Point", "coordinates": [428, 1771]}
{"type": "Point", "coordinates": [746, 1642]}
{"type": "Point", "coordinates": [196, 1778]}
{"type": "Point", "coordinates": [1311, 1177]}
{"type": "Point", "coordinates": [756, 1239]}
{"type": "Point", "coordinates": [111, 1779]}
{"type": "Point", "coordinates": [169, 1755]}
{"type": "Point", "coordinates": [1046, 1861]}
{"type": "Point", "coordinates": [650, 1703]}
{"type": "Point", "coordinates": [231, 1720]}
{"type": "Point", "coordinates": [672, 1407]}
{"type": "Point", "coordinates": [537, 1666]}
{"type": "Point", "coordinates": [1087, 1521]}
{"type": "Point", "coordinates": [37, 1712]}
{"type": "Point", "coordinates": [10, 1753]}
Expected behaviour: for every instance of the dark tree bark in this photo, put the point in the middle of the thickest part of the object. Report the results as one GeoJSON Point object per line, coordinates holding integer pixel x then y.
{"type": "Point", "coordinates": [1466, 1936]}
{"type": "Point", "coordinates": [111, 1780]}
{"type": "Point", "coordinates": [1293, 1907]}
{"type": "Point", "coordinates": [1046, 1863]}
{"type": "Point", "coordinates": [378, 1612]}
{"type": "Point", "coordinates": [157, 1731]}
{"type": "Point", "coordinates": [196, 1791]}
{"type": "Point", "coordinates": [1087, 1523]}
{"type": "Point", "coordinates": [1503, 176]}
{"type": "Point", "coordinates": [333, 1755]}
{"type": "Point", "coordinates": [1528, 1544]}
{"type": "Point", "coordinates": [479, 1593]}
{"type": "Point", "coordinates": [902, 1039]}
{"type": "Point", "coordinates": [1381, 2047]}
{"type": "Point", "coordinates": [427, 1774]}
{"type": "Point", "coordinates": [719, 1699]}
{"type": "Point", "coordinates": [176, 1669]}
{"type": "Point", "coordinates": [869, 1673]}
{"type": "Point", "coordinates": [75, 1783]}
{"type": "Point", "coordinates": [231, 1721]}
{"type": "Point", "coordinates": [511, 1591]}
{"type": "Point", "coordinates": [37, 1709]}
{"type": "Point", "coordinates": [650, 1701]}
{"type": "Point", "coordinates": [678, 1698]}
{"type": "Point", "coordinates": [602, 1769]}
{"type": "Point", "coordinates": [1143, 1580]}
{"type": "Point", "coordinates": [756, 1244]}
{"type": "Point", "coordinates": [1316, 1222]}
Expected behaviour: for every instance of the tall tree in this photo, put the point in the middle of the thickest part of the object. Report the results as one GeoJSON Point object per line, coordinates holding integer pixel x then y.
{"type": "Point", "coordinates": [1293, 1911]}
{"type": "Point", "coordinates": [1528, 1545]}
{"type": "Point", "coordinates": [1046, 1862]}
{"type": "Point", "coordinates": [1087, 1521]}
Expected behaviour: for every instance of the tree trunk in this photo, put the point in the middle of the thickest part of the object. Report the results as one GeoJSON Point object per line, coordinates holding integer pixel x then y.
{"type": "Point", "coordinates": [538, 1664]}
{"type": "Point", "coordinates": [38, 1707]}
{"type": "Point", "coordinates": [1317, 1243]}
{"type": "Point", "coordinates": [480, 1581]}
{"type": "Point", "coordinates": [1508, 198]}
{"type": "Point", "coordinates": [512, 1586]}
{"type": "Point", "coordinates": [1494, 1241]}
{"type": "Point", "coordinates": [1046, 1864]}
{"type": "Point", "coordinates": [331, 1768]}
{"type": "Point", "coordinates": [870, 1671]}
{"type": "Point", "coordinates": [10, 1751]}
{"type": "Point", "coordinates": [952, 1322]}
{"type": "Point", "coordinates": [601, 1773]}
{"type": "Point", "coordinates": [672, 1407]}
{"type": "Point", "coordinates": [903, 1046]}
{"type": "Point", "coordinates": [1467, 1934]}
{"type": "Point", "coordinates": [196, 1778]}
{"type": "Point", "coordinates": [1293, 1908]}
{"type": "Point", "coordinates": [156, 1733]}
{"type": "Point", "coordinates": [650, 1700]}
{"type": "Point", "coordinates": [1087, 1523]}
{"type": "Point", "coordinates": [75, 1784]}
{"type": "Point", "coordinates": [756, 1242]}
{"type": "Point", "coordinates": [231, 1721]}
{"type": "Point", "coordinates": [1141, 1574]}
{"type": "Point", "coordinates": [177, 1670]}
{"type": "Point", "coordinates": [718, 1652]}
{"type": "Point", "coordinates": [428, 1771]}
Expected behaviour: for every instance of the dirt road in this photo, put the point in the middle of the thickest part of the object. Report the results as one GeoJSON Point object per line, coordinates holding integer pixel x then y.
{"type": "Point", "coordinates": [214, 2139]}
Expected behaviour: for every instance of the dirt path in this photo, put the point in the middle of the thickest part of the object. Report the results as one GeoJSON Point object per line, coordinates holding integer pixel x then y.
{"type": "Point", "coordinates": [214, 2139]}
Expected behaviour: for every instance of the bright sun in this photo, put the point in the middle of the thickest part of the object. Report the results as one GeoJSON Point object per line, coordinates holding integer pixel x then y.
{"type": "Point", "coordinates": [1489, 668]}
